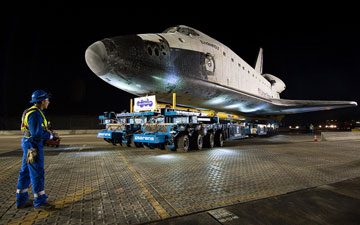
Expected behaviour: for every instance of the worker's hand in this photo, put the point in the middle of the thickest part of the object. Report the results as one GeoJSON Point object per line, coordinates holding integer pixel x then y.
{"type": "Point", "coordinates": [56, 135]}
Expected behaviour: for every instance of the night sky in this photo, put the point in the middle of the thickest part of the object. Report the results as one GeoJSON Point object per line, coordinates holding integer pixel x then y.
{"type": "Point", "coordinates": [317, 59]}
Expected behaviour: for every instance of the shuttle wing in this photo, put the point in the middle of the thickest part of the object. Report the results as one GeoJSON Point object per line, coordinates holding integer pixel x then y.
{"type": "Point", "coordinates": [286, 106]}
{"type": "Point", "coordinates": [235, 101]}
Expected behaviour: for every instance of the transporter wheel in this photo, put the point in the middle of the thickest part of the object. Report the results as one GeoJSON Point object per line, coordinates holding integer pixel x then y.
{"type": "Point", "coordinates": [183, 143]}
{"type": "Point", "coordinates": [209, 140]}
{"type": "Point", "coordinates": [111, 141]}
{"type": "Point", "coordinates": [130, 143]}
{"type": "Point", "coordinates": [197, 141]}
{"type": "Point", "coordinates": [138, 144]}
{"type": "Point", "coordinates": [269, 132]}
{"type": "Point", "coordinates": [163, 146]}
{"type": "Point", "coordinates": [219, 139]}
{"type": "Point", "coordinates": [148, 146]}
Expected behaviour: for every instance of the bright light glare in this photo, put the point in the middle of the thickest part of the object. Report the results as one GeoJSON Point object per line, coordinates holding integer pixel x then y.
{"type": "Point", "coordinates": [157, 78]}
{"type": "Point", "coordinates": [91, 153]}
{"type": "Point", "coordinates": [232, 106]}
{"type": "Point", "coordinates": [217, 100]}
{"type": "Point", "coordinates": [167, 156]}
{"type": "Point", "coordinates": [249, 110]}
{"type": "Point", "coordinates": [171, 79]}
{"type": "Point", "coordinates": [227, 151]}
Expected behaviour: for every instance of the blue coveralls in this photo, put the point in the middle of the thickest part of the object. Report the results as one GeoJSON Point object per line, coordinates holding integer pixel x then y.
{"type": "Point", "coordinates": [33, 172]}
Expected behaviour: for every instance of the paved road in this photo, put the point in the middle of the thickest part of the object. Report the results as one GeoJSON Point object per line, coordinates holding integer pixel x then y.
{"type": "Point", "coordinates": [10, 143]}
{"type": "Point", "coordinates": [286, 179]}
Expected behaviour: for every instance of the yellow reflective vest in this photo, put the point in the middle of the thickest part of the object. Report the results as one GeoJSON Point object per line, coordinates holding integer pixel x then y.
{"type": "Point", "coordinates": [24, 120]}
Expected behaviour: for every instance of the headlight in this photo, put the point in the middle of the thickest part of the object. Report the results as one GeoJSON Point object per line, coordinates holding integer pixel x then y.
{"type": "Point", "coordinates": [297, 127]}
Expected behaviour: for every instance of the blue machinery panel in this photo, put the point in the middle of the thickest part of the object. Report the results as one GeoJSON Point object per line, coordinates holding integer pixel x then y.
{"type": "Point", "coordinates": [109, 134]}
{"type": "Point", "coordinates": [147, 138]}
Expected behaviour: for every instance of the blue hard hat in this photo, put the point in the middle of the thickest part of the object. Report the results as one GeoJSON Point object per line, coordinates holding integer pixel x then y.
{"type": "Point", "coordinates": [39, 95]}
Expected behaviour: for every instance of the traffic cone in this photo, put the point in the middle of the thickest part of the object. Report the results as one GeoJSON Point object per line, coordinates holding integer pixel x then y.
{"type": "Point", "coordinates": [315, 138]}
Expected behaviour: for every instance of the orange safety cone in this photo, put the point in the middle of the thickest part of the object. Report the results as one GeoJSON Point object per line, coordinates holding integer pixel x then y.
{"type": "Point", "coordinates": [315, 138]}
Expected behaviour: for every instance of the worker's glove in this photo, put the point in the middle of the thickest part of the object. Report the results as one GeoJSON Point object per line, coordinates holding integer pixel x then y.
{"type": "Point", "coordinates": [56, 136]}
{"type": "Point", "coordinates": [31, 155]}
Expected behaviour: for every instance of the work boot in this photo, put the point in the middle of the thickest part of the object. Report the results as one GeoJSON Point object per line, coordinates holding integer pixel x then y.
{"type": "Point", "coordinates": [45, 207]}
{"type": "Point", "coordinates": [27, 204]}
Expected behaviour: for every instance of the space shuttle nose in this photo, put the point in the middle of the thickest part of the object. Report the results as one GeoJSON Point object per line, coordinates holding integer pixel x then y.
{"type": "Point", "coordinates": [97, 58]}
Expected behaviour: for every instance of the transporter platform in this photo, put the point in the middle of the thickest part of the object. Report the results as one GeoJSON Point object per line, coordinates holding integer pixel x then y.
{"type": "Point", "coordinates": [284, 179]}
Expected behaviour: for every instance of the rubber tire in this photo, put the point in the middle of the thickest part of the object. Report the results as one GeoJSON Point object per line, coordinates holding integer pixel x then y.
{"type": "Point", "coordinates": [163, 146]}
{"type": "Point", "coordinates": [131, 142]}
{"type": "Point", "coordinates": [183, 143]}
{"type": "Point", "coordinates": [209, 140]}
{"type": "Point", "coordinates": [219, 139]}
{"type": "Point", "coordinates": [197, 141]}
{"type": "Point", "coordinates": [148, 146]}
{"type": "Point", "coordinates": [138, 144]}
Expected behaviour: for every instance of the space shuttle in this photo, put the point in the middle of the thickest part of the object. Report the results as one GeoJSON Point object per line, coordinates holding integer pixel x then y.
{"type": "Point", "coordinates": [204, 74]}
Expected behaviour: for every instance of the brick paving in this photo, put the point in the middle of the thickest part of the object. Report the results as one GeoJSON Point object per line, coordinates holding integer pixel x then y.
{"type": "Point", "coordinates": [117, 185]}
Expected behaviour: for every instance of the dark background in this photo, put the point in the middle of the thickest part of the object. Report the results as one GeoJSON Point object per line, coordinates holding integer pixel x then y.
{"type": "Point", "coordinates": [317, 57]}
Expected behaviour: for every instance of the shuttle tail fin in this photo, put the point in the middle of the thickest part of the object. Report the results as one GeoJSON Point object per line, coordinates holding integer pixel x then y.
{"type": "Point", "coordinates": [259, 62]}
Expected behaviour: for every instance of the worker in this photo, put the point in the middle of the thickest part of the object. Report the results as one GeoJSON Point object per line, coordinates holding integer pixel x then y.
{"type": "Point", "coordinates": [34, 126]}
{"type": "Point", "coordinates": [311, 129]}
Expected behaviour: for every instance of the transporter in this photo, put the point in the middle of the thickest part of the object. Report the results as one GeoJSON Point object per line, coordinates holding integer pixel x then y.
{"type": "Point", "coordinates": [179, 129]}
{"type": "Point", "coordinates": [239, 100]}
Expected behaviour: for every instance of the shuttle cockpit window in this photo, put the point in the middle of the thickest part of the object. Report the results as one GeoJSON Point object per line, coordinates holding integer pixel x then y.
{"type": "Point", "coordinates": [184, 30]}
{"type": "Point", "coordinates": [187, 31]}
{"type": "Point", "coordinates": [170, 30]}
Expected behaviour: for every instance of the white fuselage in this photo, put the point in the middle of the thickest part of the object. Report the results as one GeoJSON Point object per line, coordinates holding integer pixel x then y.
{"type": "Point", "coordinates": [230, 70]}
{"type": "Point", "coordinates": [201, 71]}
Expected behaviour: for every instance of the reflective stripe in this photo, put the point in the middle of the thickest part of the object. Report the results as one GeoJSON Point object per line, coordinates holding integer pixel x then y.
{"type": "Point", "coordinates": [18, 191]}
{"type": "Point", "coordinates": [40, 193]}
